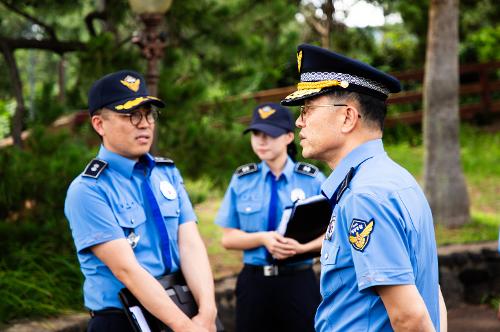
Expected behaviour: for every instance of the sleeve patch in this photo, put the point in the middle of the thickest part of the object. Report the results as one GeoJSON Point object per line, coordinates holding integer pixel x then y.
{"type": "Point", "coordinates": [360, 233]}
{"type": "Point", "coordinates": [307, 169]}
{"type": "Point", "coordinates": [95, 168]}
{"type": "Point", "coordinates": [164, 161]}
{"type": "Point", "coordinates": [246, 169]}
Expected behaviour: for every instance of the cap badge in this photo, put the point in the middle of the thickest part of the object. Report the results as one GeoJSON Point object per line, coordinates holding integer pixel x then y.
{"type": "Point", "coordinates": [266, 112]}
{"type": "Point", "coordinates": [299, 59]}
{"type": "Point", "coordinates": [168, 190]}
{"type": "Point", "coordinates": [131, 82]}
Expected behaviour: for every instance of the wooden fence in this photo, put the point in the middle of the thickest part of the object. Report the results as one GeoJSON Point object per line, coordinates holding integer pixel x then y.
{"type": "Point", "coordinates": [479, 93]}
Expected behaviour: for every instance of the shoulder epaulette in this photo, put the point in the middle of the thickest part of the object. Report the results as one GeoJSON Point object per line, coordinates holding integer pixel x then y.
{"type": "Point", "coordinates": [344, 184]}
{"type": "Point", "coordinates": [95, 168]}
{"type": "Point", "coordinates": [246, 169]}
{"type": "Point", "coordinates": [163, 161]}
{"type": "Point", "coordinates": [307, 169]}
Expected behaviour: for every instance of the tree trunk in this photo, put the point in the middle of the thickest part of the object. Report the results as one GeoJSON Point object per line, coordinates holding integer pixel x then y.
{"type": "Point", "coordinates": [444, 181]}
{"type": "Point", "coordinates": [15, 79]}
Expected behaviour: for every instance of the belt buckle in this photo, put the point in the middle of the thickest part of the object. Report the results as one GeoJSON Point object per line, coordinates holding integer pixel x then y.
{"type": "Point", "coordinates": [270, 270]}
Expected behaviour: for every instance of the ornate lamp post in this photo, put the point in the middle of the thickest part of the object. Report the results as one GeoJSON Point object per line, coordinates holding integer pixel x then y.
{"type": "Point", "coordinates": [151, 39]}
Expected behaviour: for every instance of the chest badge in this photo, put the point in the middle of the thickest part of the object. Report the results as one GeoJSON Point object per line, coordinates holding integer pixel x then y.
{"type": "Point", "coordinates": [168, 190]}
{"type": "Point", "coordinates": [133, 239]}
{"type": "Point", "coordinates": [360, 232]}
{"type": "Point", "coordinates": [331, 228]}
{"type": "Point", "coordinates": [297, 194]}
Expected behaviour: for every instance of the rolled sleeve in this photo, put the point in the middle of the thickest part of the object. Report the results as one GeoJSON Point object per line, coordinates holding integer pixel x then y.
{"type": "Point", "coordinates": [91, 219]}
{"type": "Point", "coordinates": [227, 215]}
{"type": "Point", "coordinates": [385, 259]}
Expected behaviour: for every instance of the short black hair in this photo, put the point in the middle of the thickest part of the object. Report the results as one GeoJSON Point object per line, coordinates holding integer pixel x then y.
{"type": "Point", "coordinates": [373, 110]}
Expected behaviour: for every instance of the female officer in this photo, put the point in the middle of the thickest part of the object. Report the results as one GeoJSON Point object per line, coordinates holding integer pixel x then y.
{"type": "Point", "coordinates": [272, 295]}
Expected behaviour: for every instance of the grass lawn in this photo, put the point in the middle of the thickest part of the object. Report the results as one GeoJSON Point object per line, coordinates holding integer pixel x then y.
{"type": "Point", "coordinates": [481, 163]}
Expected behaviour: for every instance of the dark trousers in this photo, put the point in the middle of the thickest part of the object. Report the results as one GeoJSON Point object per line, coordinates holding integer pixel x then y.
{"type": "Point", "coordinates": [278, 303]}
{"type": "Point", "coordinates": [109, 322]}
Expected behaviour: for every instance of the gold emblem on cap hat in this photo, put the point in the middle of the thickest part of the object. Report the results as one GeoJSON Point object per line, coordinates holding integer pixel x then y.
{"type": "Point", "coordinates": [266, 112]}
{"type": "Point", "coordinates": [131, 82]}
{"type": "Point", "coordinates": [299, 60]}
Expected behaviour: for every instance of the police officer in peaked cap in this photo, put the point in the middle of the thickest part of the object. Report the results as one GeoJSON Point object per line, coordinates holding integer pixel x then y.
{"type": "Point", "coordinates": [131, 218]}
{"type": "Point", "coordinates": [272, 294]}
{"type": "Point", "coordinates": [379, 266]}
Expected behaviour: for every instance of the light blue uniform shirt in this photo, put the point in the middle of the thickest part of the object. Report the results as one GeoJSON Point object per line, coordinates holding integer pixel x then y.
{"type": "Point", "coordinates": [111, 206]}
{"type": "Point", "coordinates": [381, 233]}
{"type": "Point", "coordinates": [246, 202]}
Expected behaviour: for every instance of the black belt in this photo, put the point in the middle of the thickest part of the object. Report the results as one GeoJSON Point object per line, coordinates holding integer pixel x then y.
{"type": "Point", "coordinates": [107, 311]}
{"type": "Point", "coordinates": [276, 270]}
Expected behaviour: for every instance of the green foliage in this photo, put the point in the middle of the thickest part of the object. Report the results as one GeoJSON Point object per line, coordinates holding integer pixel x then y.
{"type": "Point", "coordinates": [37, 278]}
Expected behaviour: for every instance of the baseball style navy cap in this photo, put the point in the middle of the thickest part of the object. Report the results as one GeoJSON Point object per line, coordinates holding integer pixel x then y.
{"type": "Point", "coordinates": [322, 71]}
{"type": "Point", "coordinates": [121, 92]}
{"type": "Point", "coordinates": [271, 119]}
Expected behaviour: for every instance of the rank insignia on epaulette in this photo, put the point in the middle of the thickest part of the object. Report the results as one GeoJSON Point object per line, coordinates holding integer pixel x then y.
{"type": "Point", "coordinates": [360, 232]}
{"type": "Point", "coordinates": [162, 160]}
{"type": "Point", "coordinates": [246, 169]}
{"type": "Point", "coordinates": [95, 168]}
{"type": "Point", "coordinates": [305, 168]}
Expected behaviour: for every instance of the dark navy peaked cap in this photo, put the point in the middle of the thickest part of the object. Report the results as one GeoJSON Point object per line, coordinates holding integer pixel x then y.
{"type": "Point", "coordinates": [121, 92]}
{"type": "Point", "coordinates": [271, 119]}
{"type": "Point", "coordinates": [322, 71]}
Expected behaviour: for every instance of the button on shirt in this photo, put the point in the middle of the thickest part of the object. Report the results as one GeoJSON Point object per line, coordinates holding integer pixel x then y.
{"type": "Point", "coordinates": [246, 202]}
{"type": "Point", "coordinates": [111, 207]}
{"type": "Point", "coordinates": [383, 235]}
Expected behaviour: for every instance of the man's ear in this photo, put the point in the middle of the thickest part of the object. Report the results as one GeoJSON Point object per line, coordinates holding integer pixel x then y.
{"type": "Point", "coordinates": [351, 119]}
{"type": "Point", "coordinates": [97, 123]}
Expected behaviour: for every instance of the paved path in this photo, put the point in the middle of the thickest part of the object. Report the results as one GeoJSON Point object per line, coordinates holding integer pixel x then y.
{"type": "Point", "coordinates": [473, 318]}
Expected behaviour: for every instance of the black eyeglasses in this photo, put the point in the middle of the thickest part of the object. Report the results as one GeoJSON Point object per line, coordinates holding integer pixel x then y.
{"type": "Point", "coordinates": [305, 108]}
{"type": "Point", "coordinates": [136, 117]}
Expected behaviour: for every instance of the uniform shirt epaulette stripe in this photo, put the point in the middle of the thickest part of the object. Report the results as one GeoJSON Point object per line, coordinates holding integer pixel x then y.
{"type": "Point", "coordinates": [246, 169]}
{"type": "Point", "coordinates": [307, 169]}
{"type": "Point", "coordinates": [95, 168]}
{"type": "Point", "coordinates": [163, 161]}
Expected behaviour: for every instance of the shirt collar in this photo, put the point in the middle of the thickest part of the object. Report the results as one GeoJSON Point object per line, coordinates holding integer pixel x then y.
{"type": "Point", "coordinates": [357, 156]}
{"type": "Point", "coordinates": [121, 164]}
{"type": "Point", "coordinates": [287, 171]}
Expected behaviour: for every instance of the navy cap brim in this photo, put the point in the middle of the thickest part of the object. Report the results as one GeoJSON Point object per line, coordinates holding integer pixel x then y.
{"type": "Point", "coordinates": [129, 104]}
{"type": "Point", "coordinates": [270, 130]}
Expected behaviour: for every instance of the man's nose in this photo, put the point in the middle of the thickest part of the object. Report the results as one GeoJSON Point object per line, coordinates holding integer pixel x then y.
{"type": "Point", "coordinates": [299, 123]}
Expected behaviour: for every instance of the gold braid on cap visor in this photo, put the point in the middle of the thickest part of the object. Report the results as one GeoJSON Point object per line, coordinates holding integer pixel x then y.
{"type": "Point", "coordinates": [321, 84]}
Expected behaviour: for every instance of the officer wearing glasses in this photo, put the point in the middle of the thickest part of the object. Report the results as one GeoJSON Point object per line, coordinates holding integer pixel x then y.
{"type": "Point", "coordinates": [379, 267]}
{"type": "Point", "coordinates": [131, 218]}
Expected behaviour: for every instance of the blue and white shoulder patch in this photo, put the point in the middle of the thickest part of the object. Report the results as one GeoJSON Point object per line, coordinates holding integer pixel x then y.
{"type": "Point", "coordinates": [246, 169]}
{"type": "Point", "coordinates": [307, 169]}
{"type": "Point", "coordinates": [163, 161]}
{"type": "Point", "coordinates": [95, 168]}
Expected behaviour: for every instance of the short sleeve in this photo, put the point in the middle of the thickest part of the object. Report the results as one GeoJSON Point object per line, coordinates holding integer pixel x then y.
{"type": "Point", "coordinates": [377, 240]}
{"type": "Point", "coordinates": [186, 208]}
{"type": "Point", "coordinates": [227, 215]}
{"type": "Point", "coordinates": [91, 219]}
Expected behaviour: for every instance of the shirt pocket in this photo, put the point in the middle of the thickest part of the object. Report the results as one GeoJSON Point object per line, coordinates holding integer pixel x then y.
{"type": "Point", "coordinates": [131, 218]}
{"type": "Point", "coordinates": [171, 212]}
{"type": "Point", "coordinates": [250, 216]}
{"type": "Point", "coordinates": [331, 277]}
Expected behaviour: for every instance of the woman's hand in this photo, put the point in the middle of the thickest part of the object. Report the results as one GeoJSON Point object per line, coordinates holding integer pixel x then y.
{"type": "Point", "coordinates": [279, 246]}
